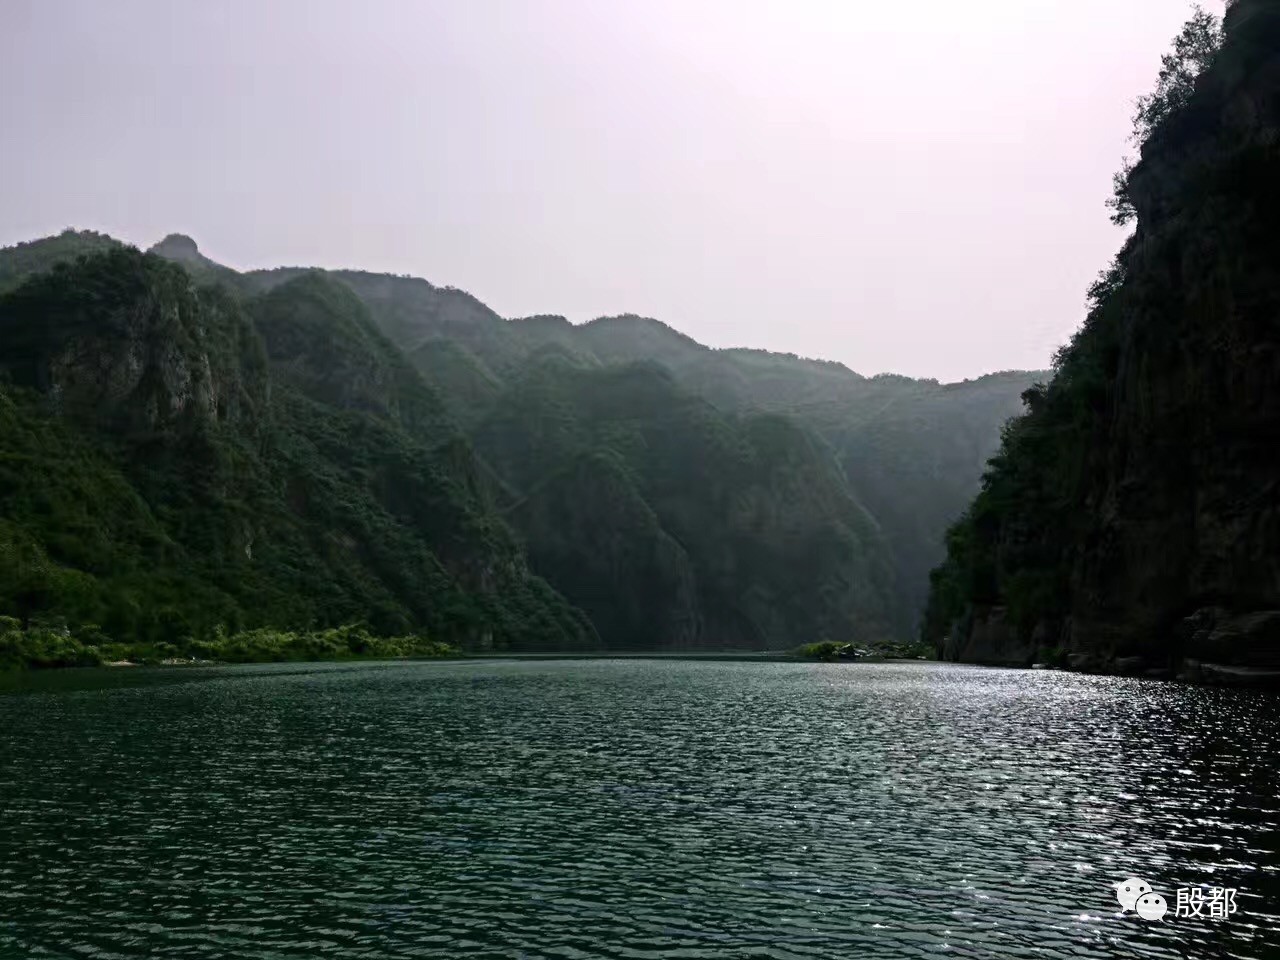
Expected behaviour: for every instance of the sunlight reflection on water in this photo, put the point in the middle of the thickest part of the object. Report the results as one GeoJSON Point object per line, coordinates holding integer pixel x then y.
{"type": "Point", "coordinates": [631, 809]}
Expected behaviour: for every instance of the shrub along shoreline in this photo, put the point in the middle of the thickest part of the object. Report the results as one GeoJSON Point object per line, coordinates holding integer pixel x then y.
{"type": "Point", "coordinates": [42, 646]}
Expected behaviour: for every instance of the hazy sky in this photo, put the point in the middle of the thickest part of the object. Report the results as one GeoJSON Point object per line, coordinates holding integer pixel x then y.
{"type": "Point", "coordinates": [913, 187]}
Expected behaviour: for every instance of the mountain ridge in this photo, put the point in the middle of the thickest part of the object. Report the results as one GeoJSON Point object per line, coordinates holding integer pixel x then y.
{"type": "Point", "coordinates": [472, 359]}
{"type": "Point", "coordinates": [184, 248]}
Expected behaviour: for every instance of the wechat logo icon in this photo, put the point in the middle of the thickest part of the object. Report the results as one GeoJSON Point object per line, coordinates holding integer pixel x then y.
{"type": "Point", "coordinates": [1151, 906]}
{"type": "Point", "coordinates": [1209, 903]}
{"type": "Point", "coordinates": [1137, 895]}
{"type": "Point", "coordinates": [1129, 891]}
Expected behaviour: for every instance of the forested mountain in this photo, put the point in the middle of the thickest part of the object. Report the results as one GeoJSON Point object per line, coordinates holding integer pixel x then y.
{"type": "Point", "coordinates": [174, 460]}
{"type": "Point", "coordinates": [25, 259]}
{"type": "Point", "coordinates": [191, 448]}
{"type": "Point", "coordinates": [645, 504]}
{"type": "Point", "coordinates": [1131, 520]}
{"type": "Point", "coordinates": [912, 451]}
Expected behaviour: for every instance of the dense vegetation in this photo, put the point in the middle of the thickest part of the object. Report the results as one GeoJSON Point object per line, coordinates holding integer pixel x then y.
{"type": "Point", "coordinates": [175, 462]}
{"type": "Point", "coordinates": [1128, 517]}
{"type": "Point", "coordinates": [666, 519]}
{"type": "Point", "coordinates": [25, 259]}
{"type": "Point", "coordinates": [190, 453]}
{"type": "Point", "coordinates": [50, 645]}
{"type": "Point", "coordinates": [910, 451]}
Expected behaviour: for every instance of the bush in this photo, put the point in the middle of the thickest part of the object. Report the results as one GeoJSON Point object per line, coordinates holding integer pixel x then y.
{"type": "Point", "coordinates": [54, 645]}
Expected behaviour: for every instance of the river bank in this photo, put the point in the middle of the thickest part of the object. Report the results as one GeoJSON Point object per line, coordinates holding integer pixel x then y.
{"type": "Point", "coordinates": [831, 651]}
{"type": "Point", "coordinates": [49, 647]}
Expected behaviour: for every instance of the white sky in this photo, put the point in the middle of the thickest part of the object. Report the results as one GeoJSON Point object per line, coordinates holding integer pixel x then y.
{"type": "Point", "coordinates": [913, 187]}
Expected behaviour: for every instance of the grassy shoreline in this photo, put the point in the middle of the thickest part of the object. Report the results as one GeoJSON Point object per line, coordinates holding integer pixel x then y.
{"type": "Point", "coordinates": [56, 646]}
{"type": "Point", "coordinates": [49, 647]}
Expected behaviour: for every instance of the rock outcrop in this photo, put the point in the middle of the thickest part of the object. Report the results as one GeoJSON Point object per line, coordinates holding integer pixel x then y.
{"type": "Point", "coordinates": [147, 354]}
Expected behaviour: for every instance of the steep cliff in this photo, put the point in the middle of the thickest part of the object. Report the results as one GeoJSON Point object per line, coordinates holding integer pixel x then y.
{"type": "Point", "coordinates": [1131, 520]}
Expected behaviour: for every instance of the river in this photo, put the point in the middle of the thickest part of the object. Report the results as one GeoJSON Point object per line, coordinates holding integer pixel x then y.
{"type": "Point", "coordinates": [631, 809]}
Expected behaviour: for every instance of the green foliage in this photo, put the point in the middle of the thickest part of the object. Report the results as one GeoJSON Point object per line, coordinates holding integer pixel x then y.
{"type": "Point", "coordinates": [323, 343]}
{"type": "Point", "coordinates": [1107, 442]}
{"type": "Point", "coordinates": [173, 461]}
{"type": "Point", "coordinates": [678, 495]}
{"type": "Point", "coordinates": [1120, 203]}
{"type": "Point", "coordinates": [43, 645]}
{"type": "Point", "coordinates": [1194, 50]}
{"type": "Point", "coordinates": [26, 259]}
{"type": "Point", "coordinates": [675, 524]}
{"type": "Point", "coordinates": [911, 451]}
{"type": "Point", "coordinates": [1009, 548]}
{"type": "Point", "coordinates": [339, 643]}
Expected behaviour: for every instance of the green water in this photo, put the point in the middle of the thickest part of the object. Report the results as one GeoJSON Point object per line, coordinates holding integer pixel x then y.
{"type": "Point", "coordinates": [629, 809]}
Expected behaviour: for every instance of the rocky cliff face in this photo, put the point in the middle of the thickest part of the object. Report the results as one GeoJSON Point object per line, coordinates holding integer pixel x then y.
{"type": "Point", "coordinates": [1188, 506]}
{"type": "Point", "coordinates": [1132, 521]}
{"type": "Point", "coordinates": [152, 356]}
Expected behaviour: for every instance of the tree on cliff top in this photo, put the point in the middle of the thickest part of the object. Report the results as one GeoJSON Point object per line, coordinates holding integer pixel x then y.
{"type": "Point", "coordinates": [1193, 51]}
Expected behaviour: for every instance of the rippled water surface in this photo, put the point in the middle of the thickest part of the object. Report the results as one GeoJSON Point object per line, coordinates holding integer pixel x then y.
{"type": "Point", "coordinates": [629, 809]}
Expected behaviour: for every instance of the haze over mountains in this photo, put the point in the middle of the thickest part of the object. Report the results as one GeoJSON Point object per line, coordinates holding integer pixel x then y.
{"type": "Point", "coordinates": [302, 447]}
